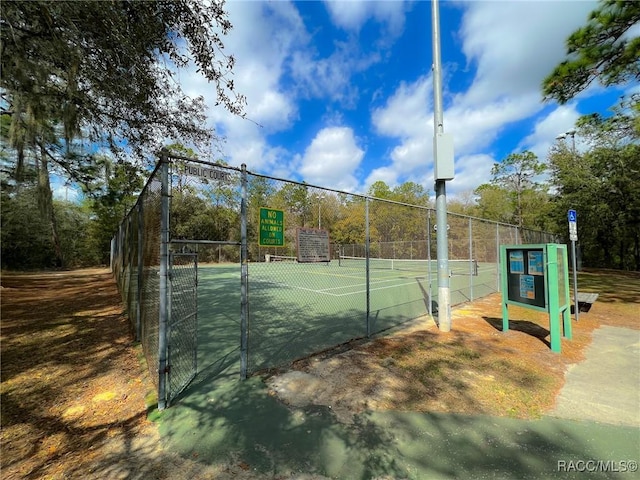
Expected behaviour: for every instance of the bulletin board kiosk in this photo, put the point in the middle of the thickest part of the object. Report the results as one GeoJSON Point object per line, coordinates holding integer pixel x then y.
{"type": "Point", "coordinates": [537, 277]}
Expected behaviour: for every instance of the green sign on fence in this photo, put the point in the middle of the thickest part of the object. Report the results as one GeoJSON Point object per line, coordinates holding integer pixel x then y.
{"type": "Point", "coordinates": [271, 228]}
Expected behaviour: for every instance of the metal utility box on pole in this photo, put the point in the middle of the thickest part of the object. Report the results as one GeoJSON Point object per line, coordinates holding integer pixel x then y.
{"type": "Point", "coordinates": [443, 170]}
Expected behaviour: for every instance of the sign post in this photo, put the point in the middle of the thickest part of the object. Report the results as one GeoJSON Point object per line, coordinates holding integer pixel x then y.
{"type": "Point", "coordinates": [573, 236]}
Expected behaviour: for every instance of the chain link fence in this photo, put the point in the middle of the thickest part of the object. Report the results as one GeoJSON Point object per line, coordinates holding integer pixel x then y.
{"type": "Point", "coordinates": [182, 332]}
{"type": "Point", "coordinates": [135, 261]}
{"type": "Point", "coordinates": [217, 263]}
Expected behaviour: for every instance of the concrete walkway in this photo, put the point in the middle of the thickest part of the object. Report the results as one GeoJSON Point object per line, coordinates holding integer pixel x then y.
{"type": "Point", "coordinates": [605, 387]}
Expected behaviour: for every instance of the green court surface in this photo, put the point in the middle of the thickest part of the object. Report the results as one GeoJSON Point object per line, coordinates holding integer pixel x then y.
{"type": "Point", "coordinates": [235, 421]}
{"type": "Point", "coordinates": [297, 309]}
{"type": "Point", "coordinates": [221, 420]}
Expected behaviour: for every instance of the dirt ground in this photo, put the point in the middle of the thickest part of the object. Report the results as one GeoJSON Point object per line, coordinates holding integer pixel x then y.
{"type": "Point", "coordinates": [73, 385]}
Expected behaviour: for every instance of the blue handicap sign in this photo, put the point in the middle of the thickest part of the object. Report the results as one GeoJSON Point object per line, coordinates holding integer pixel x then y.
{"type": "Point", "coordinates": [573, 216]}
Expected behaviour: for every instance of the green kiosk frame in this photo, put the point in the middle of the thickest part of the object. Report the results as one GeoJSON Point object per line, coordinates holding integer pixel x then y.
{"type": "Point", "coordinates": [537, 277]}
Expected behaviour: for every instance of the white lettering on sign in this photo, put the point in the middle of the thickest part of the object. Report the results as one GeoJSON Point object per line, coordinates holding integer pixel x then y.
{"type": "Point", "coordinates": [206, 173]}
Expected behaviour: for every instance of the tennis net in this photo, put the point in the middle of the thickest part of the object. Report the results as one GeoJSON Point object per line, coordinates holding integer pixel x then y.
{"type": "Point", "coordinates": [280, 258]}
{"type": "Point", "coordinates": [456, 267]}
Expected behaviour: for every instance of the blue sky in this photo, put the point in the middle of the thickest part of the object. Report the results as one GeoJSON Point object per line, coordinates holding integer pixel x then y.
{"type": "Point", "coordinates": [340, 94]}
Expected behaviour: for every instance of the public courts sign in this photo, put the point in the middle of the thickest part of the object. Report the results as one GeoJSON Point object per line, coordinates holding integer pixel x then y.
{"type": "Point", "coordinates": [271, 228]}
{"type": "Point", "coordinates": [206, 173]}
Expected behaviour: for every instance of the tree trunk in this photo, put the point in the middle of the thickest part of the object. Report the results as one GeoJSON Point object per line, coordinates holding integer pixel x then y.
{"type": "Point", "coordinates": [45, 202]}
{"type": "Point", "coordinates": [636, 251]}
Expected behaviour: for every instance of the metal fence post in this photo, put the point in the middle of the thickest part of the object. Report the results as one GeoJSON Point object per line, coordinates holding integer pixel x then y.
{"type": "Point", "coordinates": [164, 280]}
{"type": "Point", "coordinates": [112, 254]}
{"type": "Point", "coordinates": [470, 259]}
{"type": "Point", "coordinates": [498, 256]}
{"type": "Point", "coordinates": [367, 252]}
{"type": "Point", "coordinates": [140, 214]}
{"type": "Point", "coordinates": [430, 306]}
{"type": "Point", "coordinates": [120, 253]}
{"type": "Point", "coordinates": [244, 277]}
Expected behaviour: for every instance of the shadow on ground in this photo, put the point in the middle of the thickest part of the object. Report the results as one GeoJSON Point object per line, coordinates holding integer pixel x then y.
{"type": "Point", "coordinates": [242, 420]}
{"type": "Point", "coordinates": [524, 326]}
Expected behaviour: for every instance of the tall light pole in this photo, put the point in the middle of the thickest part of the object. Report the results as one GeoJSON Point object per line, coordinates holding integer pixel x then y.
{"type": "Point", "coordinates": [573, 235]}
{"type": "Point", "coordinates": [572, 133]}
{"type": "Point", "coordinates": [443, 170]}
{"type": "Point", "coordinates": [569, 133]}
{"type": "Point", "coordinates": [320, 198]}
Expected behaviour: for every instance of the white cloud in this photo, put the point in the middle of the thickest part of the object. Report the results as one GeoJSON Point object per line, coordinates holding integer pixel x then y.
{"type": "Point", "coordinates": [262, 39]}
{"type": "Point", "coordinates": [332, 159]}
{"type": "Point", "coordinates": [515, 45]}
{"type": "Point", "coordinates": [476, 127]}
{"type": "Point", "coordinates": [406, 113]}
{"type": "Point", "coordinates": [511, 58]}
{"type": "Point", "coordinates": [470, 172]}
{"type": "Point", "coordinates": [406, 116]}
{"type": "Point", "coordinates": [387, 175]}
{"type": "Point", "coordinates": [352, 15]}
{"type": "Point", "coordinates": [413, 153]}
{"type": "Point", "coordinates": [510, 48]}
{"type": "Point", "coordinates": [277, 65]}
{"type": "Point", "coordinates": [559, 121]}
{"type": "Point", "coordinates": [330, 77]}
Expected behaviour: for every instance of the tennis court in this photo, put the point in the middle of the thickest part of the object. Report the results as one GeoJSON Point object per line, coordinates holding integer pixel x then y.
{"type": "Point", "coordinates": [185, 226]}
{"type": "Point", "coordinates": [297, 309]}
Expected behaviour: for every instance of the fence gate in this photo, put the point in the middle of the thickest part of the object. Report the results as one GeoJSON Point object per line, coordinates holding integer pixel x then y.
{"type": "Point", "coordinates": [182, 344]}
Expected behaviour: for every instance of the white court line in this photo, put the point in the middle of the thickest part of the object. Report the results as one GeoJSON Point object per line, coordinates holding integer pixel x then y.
{"type": "Point", "coordinates": [375, 289]}
{"type": "Point", "coordinates": [362, 284]}
{"type": "Point", "coordinates": [388, 278]}
{"type": "Point", "coordinates": [325, 292]}
{"type": "Point", "coordinates": [295, 287]}
{"type": "Point", "coordinates": [332, 274]}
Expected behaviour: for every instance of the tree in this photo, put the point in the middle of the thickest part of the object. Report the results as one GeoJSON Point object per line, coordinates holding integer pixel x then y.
{"type": "Point", "coordinates": [517, 175]}
{"type": "Point", "coordinates": [294, 199]}
{"type": "Point", "coordinates": [74, 222]}
{"type": "Point", "coordinates": [26, 242]}
{"type": "Point", "coordinates": [106, 70]}
{"type": "Point", "coordinates": [104, 73]}
{"type": "Point", "coordinates": [350, 228]}
{"type": "Point", "coordinates": [602, 185]}
{"type": "Point", "coordinates": [601, 50]}
{"type": "Point", "coordinates": [494, 203]}
{"type": "Point", "coordinates": [380, 189]}
{"type": "Point", "coordinates": [464, 203]}
{"type": "Point", "coordinates": [113, 197]}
